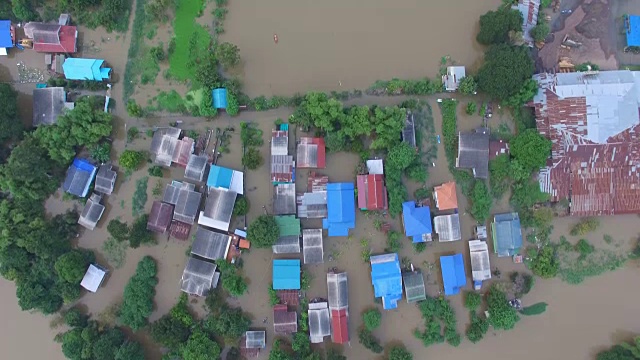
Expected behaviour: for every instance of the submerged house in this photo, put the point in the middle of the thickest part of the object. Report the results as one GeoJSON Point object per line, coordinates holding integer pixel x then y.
{"type": "Point", "coordinates": [632, 30]}
{"type": "Point", "coordinates": [319, 322]}
{"type": "Point", "coordinates": [416, 222]}
{"type": "Point", "coordinates": [480, 265]}
{"type": "Point", "coordinates": [284, 321]}
{"type": "Point", "coordinates": [105, 180]}
{"type": "Point", "coordinates": [185, 199]}
{"type": "Point", "coordinates": [92, 212]}
{"type": "Point", "coordinates": [529, 10]}
{"type": "Point", "coordinates": [386, 279]}
{"type": "Point", "coordinates": [451, 80]}
{"type": "Point", "coordinates": [85, 69]}
{"type": "Point", "coordinates": [473, 152]}
{"type": "Point", "coordinates": [79, 177]}
{"type": "Point", "coordinates": [93, 278]}
{"type": "Point", "coordinates": [286, 274]}
{"type": "Point", "coordinates": [168, 148]}
{"type": "Point", "coordinates": [338, 299]}
{"type": "Point", "coordinates": [52, 38]}
{"type": "Point", "coordinates": [289, 240]}
{"type": "Point", "coordinates": [414, 286]}
{"type": "Point", "coordinates": [252, 342]}
{"type": "Point", "coordinates": [7, 36]}
{"type": "Point", "coordinates": [409, 131]}
{"type": "Point", "coordinates": [445, 196]}
{"type": "Point", "coordinates": [313, 203]}
{"type": "Point", "coordinates": [311, 153]}
{"type": "Point", "coordinates": [218, 209]}
{"type": "Point", "coordinates": [312, 245]}
{"type": "Point", "coordinates": [219, 98]}
{"type": "Point", "coordinates": [48, 104]}
{"type": "Point", "coordinates": [199, 277]}
{"type": "Point", "coordinates": [341, 211]}
{"type": "Point", "coordinates": [160, 217]}
{"type": "Point", "coordinates": [210, 244]}
{"type": "Point", "coordinates": [226, 179]}
{"type": "Point", "coordinates": [282, 164]}
{"type": "Point", "coordinates": [196, 167]}
{"type": "Point", "coordinates": [507, 234]}
{"type": "Point", "coordinates": [372, 194]}
{"type": "Point", "coordinates": [448, 227]}
{"type": "Point", "coordinates": [453, 274]}
{"type": "Point", "coordinates": [284, 199]}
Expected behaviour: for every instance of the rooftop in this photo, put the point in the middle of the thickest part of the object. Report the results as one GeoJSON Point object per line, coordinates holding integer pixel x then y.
{"type": "Point", "coordinates": [179, 230]}
{"type": "Point", "coordinates": [480, 265]}
{"type": "Point", "coordinates": [473, 152]}
{"type": "Point", "coordinates": [633, 30]}
{"type": "Point", "coordinates": [218, 209]}
{"type": "Point", "coordinates": [337, 290]}
{"type": "Point", "coordinates": [196, 167]}
{"type": "Point", "coordinates": [372, 194]}
{"type": "Point", "coordinates": [92, 212]}
{"type": "Point", "coordinates": [311, 153]}
{"type": "Point", "coordinates": [163, 144]}
{"type": "Point", "coordinates": [85, 69]}
{"type": "Point", "coordinates": [312, 244]}
{"type": "Point", "coordinates": [453, 274]}
{"type": "Point", "coordinates": [497, 148]}
{"type": "Point", "coordinates": [416, 221]}
{"type": "Point", "coordinates": [6, 40]}
{"type": "Point", "coordinates": [340, 326]}
{"type": "Point", "coordinates": [219, 97]}
{"type": "Point", "coordinates": [105, 180]}
{"type": "Point", "coordinates": [414, 286]}
{"type": "Point", "coordinates": [210, 245]}
{"type": "Point", "coordinates": [529, 10]}
{"type": "Point", "coordinates": [319, 322]}
{"type": "Point", "coordinates": [48, 104]}
{"type": "Point", "coordinates": [451, 80]}
{"type": "Point", "coordinates": [409, 131]}
{"type": "Point", "coordinates": [284, 321]}
{"type": "Point", "coordinates": [312, 205]}
{"type": "Point", "coordinates": [52, 38]}
{"type": "Point", "coordinates": [93, 278]}
{"type": "Point", "coordinates": [187, 204]}
{"type": "Point", "coordinates": [340, 208]}
{"type": "Point", "coordinates": [284, 199]}
{"type": "Point", "coordinates": [448, 227]}
{"type": "Point", "coordinates": [160, 217]}
{"type": "Point", "coordinates": [279, 142]}
{"type": "Point", "coordinates": [289, 297]}
{"type": "Point", "coordinates": [386, 279]}
{"type": "Point", "coordinates": [79, 177]}
{"type": "Point", "coordinates": [507, 234]}
{"type": "Point", "coordinates": [445, 196]}
{"type": "Point", "coordinates": [199, 277]}
{"type": "Point", "coordinates": [286, 274]}
{"type": "Point", "coordinates": [224, 178]}
{"type": "Point", "coordinates": [282, 169]}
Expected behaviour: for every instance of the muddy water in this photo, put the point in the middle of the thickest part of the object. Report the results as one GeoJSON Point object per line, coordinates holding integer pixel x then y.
{"type": "Point", "coordinates": [342, 45]}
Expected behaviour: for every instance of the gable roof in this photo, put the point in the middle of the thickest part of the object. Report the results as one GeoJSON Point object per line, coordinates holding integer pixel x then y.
{"type": "Point", "coordinates": [6, 40]}
{"type": "Point", "coordinates": [480, 265]}
{"type": "Point", "coordinates": [224, 178]}
{"type": "Point", "coordinates": [79, 177]}
{"type": "Point", "coordinates": [633, 30]}
{"type": "Point", "coordinates": [453, 273]}
{"type": "Point", "coordinates": [210, 244]}
{"type": "Point", "coordinates": [507, 234]}
{"type": "Point", "coordinates": [198, 277]}
{"type": "Point", "coordinates": [85, 69]}
{"type": "Point", "coordinates": [280, 142]}
{"type": "Point", "coordinates": [105, 180]}
{"type": "Point", "coordinates": [312, 205]}
{"type": "Point", "coordinates": [341, 212]}
{"type": "Point", "coordinates": [163, 145]}
{"type": "Point", "coordinates": [284, 199]}
{"type": "Point", "coordinates": [286, 274]}
{"type": "Point", "coordinates": [386, 279]}
{"type": "Point", "coordinates": [187, 204]}
{"type": "Point", "coordinates": [218, 209]}
{"type": "Point", "coordinates": [196, 167]}
{"type": "Point", "coordinates": [219, 97]}
{"type": "Point", "coordinates": [182, 151]}
{"type": "Point", "coordinates": [473, 152]}
{"type": "Point", "coordinates": [288, 225]}
{"type": "Point", "coordinates": [416, 222]}
{"type": "Point", "coordinates": [445, 196]}
{"type": "Point", "coordinates": [448, 227]}
{"type": "Point", "coordinates": [179, 230]}
{"type": "Point", "coordinates": [282, 169]}
{"type": "Point", "coordinates": [319, 322]}
{"type": "Point", "coordinates": [48, 104]}
{"type": "Point", "coordinates": [372, 194]}
{"type": "Point", "coordinates": [52, 38]}
{"type": "Point", "coordinates": [452, 78]}
{"type": "Point", "coordinates": [92, 212]}
{"type": "Point", "coordinates": [337, 290]}
{"type": "Point", "coordinates": [160, 217]}
{"type": "Point", "coordinates": [414, 286]}
{"type": "Point", "coordinates": [313, 252]}
{"type": "Point", "coordinates": [340, 326]}
{"type": "Point", "coordinates": [93, 278]}
{"type": "Point", "coordinates": [284, 321]}
{"type": "Point", "coordinates": [311, 153]}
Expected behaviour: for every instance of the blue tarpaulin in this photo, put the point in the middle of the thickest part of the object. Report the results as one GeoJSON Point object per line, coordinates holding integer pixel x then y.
{"type": "Point", "coordinates": [5, 34]}
{"type": "Point", "coordinates": [341, 209]}
{"type": "Point", "coordinates": [386, 279]}
{"type": "Point", "coordinates": [219, 98]}
{"type": "Point", "coordinates": [633, 31]}
{"type": "Point", "coordinates": [85, 69]}
{"type": "Point", "coordinates": [286, 274]}
{"type": "Point", "coordinates": [453, 274]}
{"type": "Point", "coordinates": [416, 220]}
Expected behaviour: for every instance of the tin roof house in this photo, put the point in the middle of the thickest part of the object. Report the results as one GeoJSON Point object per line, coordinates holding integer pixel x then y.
{"type": "Point", "coordinates": [313, 203]}
{"type": "Point", "coordinates": [85, 69]}
{"type": "Point", "coordinates": [445, 196]}
{"type": "Point", "coordinates": [319, 322]}
{"type": "Point", "coordinates": [632, 30]}
{"type": "Point", "coordinates": [92, 212]}
{"type": "Point", "coordinates": [448, 227]}
{"type": "Point", "coordinates": [451, 80]}
{"type": "Point", "coordinates": [252, 342]}
{"type": "Point", "coordinates": [227, 179]}
{"type": "Point", "coordinates": [414, 286]}
{"type": "Point", "coordinates": [196, 167]}
{"type": "Point", "coordinates": [473, 152]}
{"type": "Point", "coordinates": [105, 180]}
{"type": "Point", "coordinates": [219, 98]}
{"type": "Point", "coordinates": [289, 240]}
{"type": "Point", "coordinates": [48, 104]}
{"type": "Point", "coordinates": [341, 209]}
{"type": "Point", "coordinates": [93, 278]}
{"type": "Point", "coordinates": [284, 321]}
{"type": "Point", "coordinates": [372, 194]}
{"type": "Point", "coordinates": [480, 265]}
{"type": "Point", "coordinates": [52, 38]}
{"type": "Point", "coordinates": [7, 36]}
{"type": "Point", "coordinates": [338, 299]}
{"type": "Point", "coordinates": [507, 234]}
{"type": "Point", "coordinates": [168, 148]}
{"type": "Point", "coordinates": [312, 245]}
{"type": "Point", "coordinates": [311, 153]}
{"type": "Point", "coordinates": [210, 245]}
{"type": "Point", "coordinates": [416, 222]}
{"type": "Point", "coordinates": [529, 10]}
{"type": "Point", "coordinates": [185, 199]}
{"type": "Point", "coordinates": [286, 274]}
{"type": "Point", "coordinates": [453, 274]}
{"type": "Point", "coordinates": [79, 177]}
{"type": "Point", "coordinates": [386, 279]}
{"type": "Point", "coordinates": [199, 277]}
{"type": "Point", "coordinates": [218, 209]}
{"type": "Point", "coordinates": [160, 217]}
{"type": "Point", "coordinates": [593, 123]}
{"type": "Point", "coordinates": [284, 199]}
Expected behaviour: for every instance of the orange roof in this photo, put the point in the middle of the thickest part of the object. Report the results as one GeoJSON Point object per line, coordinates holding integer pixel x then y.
{"type": "Point", "coordinates": [244, 244]}
{"type": "Point", "coordinates": [446, 197]}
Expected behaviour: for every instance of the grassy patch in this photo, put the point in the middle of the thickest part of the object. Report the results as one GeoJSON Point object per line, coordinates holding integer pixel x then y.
{"type": "Point", "coordinates": [139, 196]}
{"type": "Point", "coordinates": [168, 101]}
{"type": "Point", "coordinates": [132, 70]}
{"type": "Point", "coordinates": [192, 40]}
{"type": "Point", "coordinates": [583, 260]}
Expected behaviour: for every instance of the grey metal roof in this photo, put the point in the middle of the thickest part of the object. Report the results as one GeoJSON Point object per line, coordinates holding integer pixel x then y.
{"type": "Point", "coordinates": [48, 104]}
{"type": "Point", "coordinates": [414, 286]}
{"type": "Point", "coordinates": [529, 10]}
{"type": "Point", "coordinates": [93, 277]}
{"type": "Point", "coordinates": [218, 209]}
{"type": "Point", "coordinates": [284, 201]}
{"type": "Point", "coordinates": [480, 265]}
{"type": "Point", "coordinates": [160, 217]}
{"type": "Point", "coordinates": [255, 339]}
{"type": "Point", "coordinates": [319, 322]}
{"type": "Point", "coordinates": [375, 167]}
{"type": "Point", "coordinates": [473, 152]}
{"type": "Point", "coordinates": [448, 227]}
{"type": "Point", "coordinates": [105, 180]}
{"type": "Point", "coordinates": [76, 181]}
{"type": "Point", "coordinates": [45, 33]}
{"type": "Point", "coordinates": [92, 212]}
{"type": "Point", "coordinates": [313, 252]}
{"type": "Point", "coordinates": [196, 167]}
{"type": "Point", "coordinates": [453, 76]}
{"type": "Point", "coordinates": [313, 205]}
{"type": "Point", "coordinates": [279, 144]}
{"type": "Point", "coordinates": [409, 131]}
{"type": "Point", "coordinates": [507, 234]}
{"type": "Point", "coordinates": [287, 245]}
{"type": "Point", "coordinates": [163, 145]}
{"type": "Point", "coordinates": [198, 277]}
{"type": "Point", "coordinates": [210, 245]}
{"type": "Point", "coordinates": [338, 290]}
{"type": "Point", "coordinates": [187, 205]}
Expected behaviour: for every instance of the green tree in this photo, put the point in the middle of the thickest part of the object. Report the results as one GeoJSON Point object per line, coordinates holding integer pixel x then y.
{"type": "Point", "coordinates": [72, 266]}
{"type": "Point", "coordinates": [277, 353]}
{"type": "Point", "coordinates": [530, 149]}
{"type": "Point", "coordinates": [9, 123]}
{"type": "Point", "coordinates": [617, 352]}
{"type": "Point", "coordinates": [499, 174]}
{"type": "Point", "coordinates": [138, 295]}
{"type": "Point", "coordinates": [228, 322]}
{"type": "Point", "coordinates": [400, 353]}
{"type": "Point", "coordinates": [526, 93]}
{"type": "Point", "coordinates": [501, 315]}
{"type": "Point", "coordinates": [263, 231]}
{"type": "Point", "coordinates": [585, 226]}
{"type": "Point", "coordinates": [472, 300]}
{"type": "Point", "coordinates": [369, 341]}
{"type": "Point", "coordinates": [233, 107]}
{"type": "Point", "coordinates": [372, 319]}
{"type": "Point", "coordinates": [227, 54]}
{"type": "Point", "coordinates": [200, 347]}
{"type": "Point", "coordinates": [252, 158]}
{"type": "Point", "coordinates": [357, 122]}
{"type": "Point", "coordinates": [108, 344]}
{"type": "Point", "coordinates": [174, 328]}
{"type": "Point", "coordinates": [388, 123]}
{"type": "Point", "coordinates": [544, 262]}
{"type": "Point", "coordinates": [75, 318]}
{"type": "Point", "coordinates": [478, 328]}
{"type": "Point", "coordinates": [323, 112]}
{"type": "Point", "coordinates": [119, 230]}
{"type": "Point", "coordinates": [207, 73]}
{"type": "Point", "coordinates": [468, 85]}
{"type": "Point", "coordinates": [139, 233]}
{"type": "Point", "coordinates": [480, 202]}
{"type": "Point", "coordinates": [401, 156]}
{"type": "Point", "coordinates": [540, 31]}
{"type": "Point", "coordinates": [101, 152]}
{"type": "Point", "coordinates": [471, 108]}
{"type": "Point", "coordinates": [333, 354]}
{"type": "Point", "coordinates": [301, 344]}
{"type": "Point", "coordinates": [155, 171]}
{"type": "Point", "coordinates": [130, 350]}
{"type": "Point", "coordinates": [130, 159]}
{"type": "Point", "coordinates": [33, 294]}
{"type": "Point", "coordinates": [496, 25]}
{"type": "Point", "coordinates": [134, 109]}
{"type": "Point", "coordinates": [23, 10]}
{"type": "Point", "coordinates": [241, 207]}
{"type": "Point", "coordinates": [505, 71]}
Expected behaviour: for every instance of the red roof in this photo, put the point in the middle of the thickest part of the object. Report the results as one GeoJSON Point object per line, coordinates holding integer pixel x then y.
{"type": "Point", "coordinates": [498, 147]}
{"type": "Point", "coordinates": [372, 194]}
{"type": "Point", "coordinates": [182, 151]}
{"type": "Point", "coordinates": [284, 321]}
{"type": "Point", "coordinates": [289, 297]}
{"type": "Point", "coordinates": [66, 41]}
{"type": "Point", "coordinates": [311, 153]}
{"type": "Point", "coordinates": [317, 182]}
{"type": "Point", "coordinates": [160, 217]}
{"type": "Point", "coordinates": [179, 230]}
{"type": "Point", "coordinates": [246, 352]}
{"type": "Point", "coordinates": [339, 326]}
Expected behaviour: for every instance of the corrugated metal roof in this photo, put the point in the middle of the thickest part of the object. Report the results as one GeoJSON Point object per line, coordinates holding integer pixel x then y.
{"type": "Point", "coordinates": [414, 286]}
{"type": "Point", "coordinates": [218, 209]}
{"type": "Point", "coordinates": [319, 322]}
{"type": "Point", "coordinates": [79, 177]}
{"type": "Point", "coordinates": [287, 245]}
{"type": "Point", "coordinates": [529, 10]}
{"type": "Point", "coordinates": [83, 69]}
{"type": "Point", "coordinates": [338, 291]}
{"type": "Point", "coordinates": [160, 217]}
{"type": "Point", "coordinates": [480, 265]}
{"type": "Point", "coordinates": [311, 153]}
{"type": "Point", "coordinates": [452, 78]}
{"type": "Point", "coordinates": [284, 321]}
{"type": "Point", "coordinates": [473, 152]}
{"type": "Point", "coordinates": [188, 204]}
{"type": "Point", "coordinates": [93, 278]}
{"type": "Point", "coordinates": [409, 131]}
{"type": "Point", "coordinates": [313, 252]}
{"type": "Point", "coordinates": [340, 326]}
{"type": "Point", "coordinates": [375, 167]}
{"type": "Point", "coordinates": [416, 221]}
{"type": "Point", "coordinates": [386, 279]}
{"type": "Point", "coordinates": [196, 167]}
{"type": "Point", "coordinates": [284, 199]}
{"type": "Point", "coordinates": [182, 151]}
{"type": "Point", "coordinates": [92, 212]}
{"type": "Point", "coordinates": [198, 277]}
{"type": "Point", "coordinates": [105, 180]}
{"type": "Point", "coordinates": [210, 245]}
{"type": "Point", "coordinates": [448, 227]}
{"type": "Point", "coordinates": [48, 104]}
{"type": "Point", "coordinates": [453, 273]}
{"type": "Point", "coordinates": [286, 274]}
{"type": "Point", "coordinates": [282, 168]}
{"type": "Point", "coordinates": [341, 211]}
{"type": "Point", "coordinates": [312, 205]}
{"type": "Point", "coordinates": [255, 339]}
{"type": "Point", "coordinates": [371, 192]}
{"type": "Point", "coordinates": [279, 142]}
{"type": "Point", "coordinates": [507, 234]}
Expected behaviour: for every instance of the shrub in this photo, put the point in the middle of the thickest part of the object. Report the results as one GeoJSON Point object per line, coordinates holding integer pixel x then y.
{"type": "Point", "coordinates": [242, 206]}
{"type": "Point", "coordinates": [252, 159]}
{"type": "Point", "coordinates": [132, 133]}
{"type": "Point", "coordinates": [138, 295]}
{"type": "Point", "coordinates": [305, 280]}
{"type": "Point", "coordinates": [134, 110]}
{"type": "Point", "coordinates": [481, 202]}
{"type": "Point", "coordinates": [263, 231]}
{"type": "Point", "coordinates": [131, 160]}
{"type": "Point", "coordinates": [535, 309]}
{"type": "Point", "coordinates": [468, 85]}
{"type": "Point", "coordinates": [369, 341]}
{"type": "Point", "coordinates": [585, 226]}
{"type": "Point", "coordinates": [102, 152]}
{"type": "Point", "coordinates": [471, 108]}
{"type": "Point", "coordinates": [544, 262]}
{"type": "Point", "coordinates": [540, 31]}
{"type": "Point", "coordinates": [502, 315]}
{"type": "Point", "coordinates": [372, 319]}
{"type": "Point", "coordinates": [472, 300]}
{"type": "Point", "coordinates": [139, 196]}
{"type": "Point", "coordinates": [155, 171]}
{"type": "Point", "coordinates": [477, 329]}
{"type": "Point", "coordinates": [393, 241]}
{"type": "Point", "coordinates": [587, 66]}
{"type": "Point", "coordinates": [400, 353]}
{"type": "Point", "coordinates": [115, 252]}
{"type": "Point", "coordinates": [139, 233]}
{"type": "Point", "coordinates": [273, 296]}
{"type": "Point", "coordinates": [584, 248]}
{"type": "Point", "coordinates": [118, 230]}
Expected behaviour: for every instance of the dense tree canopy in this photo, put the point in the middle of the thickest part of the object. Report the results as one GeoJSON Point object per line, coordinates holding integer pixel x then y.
{"type": "Point", "coordinates": [502, 315]}
{"type": "Point", "coordinates": [139, 234]}
{"type": "Point", "coordinates": [468, 85]}
{"type": "Point", "coordinates": [72, 266]}
{"type": "Point", "coordinates": [505, 71]}
{"type": "Point", "coordinates": [137, 303]}
{"type": "Point", "coordinates": [480, 202]}
{"type": "Point", "coordinates": [372, 319]}
{"type": "Point", "coordinates": [496, 25]}
{"type": "Point", "coordinates": [227, 54]}
{"type": "Point", "coordinates": [200, 347]}
{"type": "Point", "coordinates": [10, 124]}
{"type": "Point", "coordinates": [400, 353]}
{"type": "Point", "coordinates": [130, 159]}
{"type": "Point", "coordinates": [174, 328]}
{"type": "Point", "coordinates": [90, 341]}
{"type": "Point", "coordinates": [530, 149]}
{"type": "Point", "coordinates": [263, 231]}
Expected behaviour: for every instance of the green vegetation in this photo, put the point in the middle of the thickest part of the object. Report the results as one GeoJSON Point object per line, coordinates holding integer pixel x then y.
{"type": "Point", "coordinates": [170, 102]}
{"type": "Point", "coordinates": [540, 31]}
{"type": "Point", "coordinates": [227, 54]}
{"type": "Point", "coordinates": [622, 351]}
{"type": "Point", "coordinates": [305, 280]}
{"type": "Point", "coordinates": [393, 241]}
{"type": "Point", "coordinates": [499, 175]}
{"type": "Point", "coordinates": [478, 328]}
{"type": "Point", "coordinates": [496, 25]}
{"type": "Point", "coordinates": [231, 323]}
{"type": "Point", "coordinates": [11, 129]}
{"type": "Point", "coordinates": [93, 341]}
{"type": "Point", "coordinates": [263, 231]}
{"type": "Point", "coordinates": [585, 226]}
{"type": "Point", "coordinates": [132, 134]}
{"type": "Point", "coordinates": [134, 110]}
{"type": "Point", "coordinates": [501, 315]}
{"type": "Point", "coordinates": [480, 202]}
{"type": "Point", "coordinates": [372, 319]}
{"type": "Point", "coordinates": [232, 281]}
{"type": "Point", "coordinates": [535, 309]}
{"type": "Point", "coordinates": [575, 263]}
{"type": "Point", "coordinates": [277, 353]}
{"type": "Point", "coordinates": [468, 85]}
{"type": "Point", "coordinates": [118, 230]}
{"type": "Point", "coordinates": [135, 65]}
{"type": "Point", "coordinates": [252, 158]}
{"type": "Point", "coordinates": [437, 313]}
{"type": "Point", "coordinates": [113, 15]}
{"type": "Point", "coordinates": [72, 265]}
{"type": "Point", "coordinates": [139, 196]}
{"type": "Point", "coordinates": [137, 303]}
{"type": "Point", "coordinates": [273, 296]}
{"type": "Point", "coordinates": [192, 40]}
{"type": "Point", "coordinates": [369, 341]}
{"type": "Point", "coordinates": [115, 252]}
{"type": "Point", "coordinates": [301, 344]}
{"type": "Point", "coordinates": [101, 152]}
{"type": "Point", "coordinates": [250, 135]}
{"type": "Point", "coordinates": [139, 233]}
{"type": "Point", "coordinates": [405, 87]}
{"type": "Point", "coordinates": [131, 160]}
{"type": "Point", "coordinates": [400, 353]}
{"type": "Point", "coordinates": [584, 248]}
{"type": "Point", "coordinates": [242, 206]}
{"type": "Point", "coordinates": [530, 149]}
{"type": "Point", "coordinates": [544, 262]}
{"type": "Point", "coordinates": [471, 108]}
{"type": "Point", "coordinates": [472, 300]}
{"type": "Point", "coordinates": [155, 171]}
{"type": "Point", "coordinates": [506, 74]}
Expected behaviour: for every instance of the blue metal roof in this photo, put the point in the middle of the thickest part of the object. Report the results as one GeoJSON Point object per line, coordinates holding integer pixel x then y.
{"type": "Point", "coordinates": [453, 273]}
{"type": "Point", "coordinates": [633, 31]}
{"type": "Point", "coordinates": [79, 177]}
{"type": "Point", "coordinates": [341, 209]}
{"type": "Point", "coordinates": [5, 34]}
{"type": "Point", "coordinates": [219, 177]}
{"type": "Point", "coordinates": [85, 69]}
{"type": "Point", "coordinates": [219, 98]}
{"type": "Point", "coordinates": [386, 279]}
{"type": "Point", "coordinates": [416, 220]}
{"type": "Point", "coordinates": [286, 274]}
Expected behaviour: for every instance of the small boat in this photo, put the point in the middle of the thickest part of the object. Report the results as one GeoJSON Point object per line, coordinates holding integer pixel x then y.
{"type": "Point", "coordinates": [275, 38]}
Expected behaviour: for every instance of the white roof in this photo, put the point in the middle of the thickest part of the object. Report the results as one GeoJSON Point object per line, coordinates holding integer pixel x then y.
{"type": "Point", "coordinates": [448, 227]}
{"type": "Point", "coordinates": [313, 252]}
{"type": "Point", "coordinates": [319, 322]}
{"type": "Point", "coordinates": [480, 266]}
{"type": "Point", "coordinates": [375, 167]}
{"type": "Point", "coordinates": [218, 209]}
{"type": "Point", "coordinates": [93, 278]}
{"type": "Point", "coordinates": [338, 291]}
